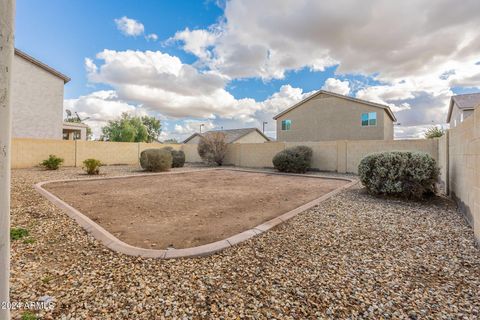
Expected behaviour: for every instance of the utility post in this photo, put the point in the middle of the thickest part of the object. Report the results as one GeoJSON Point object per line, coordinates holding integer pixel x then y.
{"type": "Point", "coordinates": [263, 126]}
{"type": "Point", "coordinates": [7, 13]}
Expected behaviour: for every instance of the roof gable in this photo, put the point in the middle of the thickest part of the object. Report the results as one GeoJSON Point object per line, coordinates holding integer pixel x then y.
{"type": "Point", "coordinates": [341, 96]}
{"type": "Point", "coordinates": [231, 135]}
{"type": "Point", "coordinates": [42, 65]}
{"type": "Point", "coordinates": [467, 101]}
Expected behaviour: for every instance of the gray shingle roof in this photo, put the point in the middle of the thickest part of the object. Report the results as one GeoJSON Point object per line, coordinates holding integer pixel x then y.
{"type": "Point", "coordinates": [464, 102]}
{"type": "Point", "coordinates": [231, 135]}
{"type": "Point", "coordinates": [467, 101]}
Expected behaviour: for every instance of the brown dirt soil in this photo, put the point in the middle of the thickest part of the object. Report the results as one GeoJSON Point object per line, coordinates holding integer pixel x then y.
{"type": "Point", "coordinates": [188, 209]}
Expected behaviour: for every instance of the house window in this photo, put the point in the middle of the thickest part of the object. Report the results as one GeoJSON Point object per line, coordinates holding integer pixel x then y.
{"type": "Point", "coordinates": [369, 119]}
{"type": "Point", "coordinates": [286, 125]}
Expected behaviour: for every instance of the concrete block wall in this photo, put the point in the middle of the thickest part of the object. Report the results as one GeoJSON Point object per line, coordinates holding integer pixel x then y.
{"type": "Point", "coordinates": [464, 168]}
{"type": "Point", "coordinates": [27, 153]}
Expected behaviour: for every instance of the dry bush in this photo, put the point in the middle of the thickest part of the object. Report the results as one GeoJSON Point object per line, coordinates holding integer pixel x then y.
{"type": "Point", "coordinates": [295, 159]}
{"type": "Point", "coordinates": [213, 148]}
{"type": "Point", "coordinates": [156, 160]}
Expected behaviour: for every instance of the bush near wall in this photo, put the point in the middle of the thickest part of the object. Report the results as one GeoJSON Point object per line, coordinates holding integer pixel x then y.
{"type": "Point", "coordinates": [296, 159]}
{"type": "Point", "coordinates": [156, 160]}
{"type": "Point", "coordinates": [399, 173]}
{"type": "Point", "coordinates": [178, 157]}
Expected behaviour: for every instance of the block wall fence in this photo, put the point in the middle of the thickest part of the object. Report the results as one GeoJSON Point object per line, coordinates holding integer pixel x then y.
{"type": "Point", "coordinates": [457, 153]}
{"type": "Point", "coordinates": [342, 156]}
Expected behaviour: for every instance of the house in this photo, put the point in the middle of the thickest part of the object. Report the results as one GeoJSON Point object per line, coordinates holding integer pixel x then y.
{"type": "Point", "coordinates": [37, 101]}
{"type": "Point", "coordinates": [327, 116]}
{"type": "Point", "coordinates": [247, 135]}
{"type": "Point", "coordinates": [461, 107]}
{"type": "Point", "coordinates": [74, 131]}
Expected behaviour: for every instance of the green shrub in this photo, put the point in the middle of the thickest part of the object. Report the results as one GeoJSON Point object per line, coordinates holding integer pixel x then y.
{"type": "Point", "coordinates": [296, 159]}
{"type": "Point", "coordinates": [27, 315]}
{"type": "Point", "coordinates": [156, 160]}
{"type": "Point", "coordinates": [92, 166]}
{"type": "Point", "coordinates": [18, 233]}
{"type": "Point", "coordinates": [399, 173]}
{"type": "Point", "coordinates": [212, 148]}
{"type": "Point", "coordinates": [52, 163]}
{"type": "Point", "coordinates": [178, 157]}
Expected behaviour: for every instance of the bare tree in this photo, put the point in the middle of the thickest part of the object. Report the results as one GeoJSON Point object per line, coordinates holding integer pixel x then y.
{"type": "Point", "coordinates": [213, 148]}
{"type": "Point", "coordinates": [7, 13]}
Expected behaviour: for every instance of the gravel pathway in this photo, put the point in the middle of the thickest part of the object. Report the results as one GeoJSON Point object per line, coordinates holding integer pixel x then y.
{"type": "Point", "coordinates": [354, 256]}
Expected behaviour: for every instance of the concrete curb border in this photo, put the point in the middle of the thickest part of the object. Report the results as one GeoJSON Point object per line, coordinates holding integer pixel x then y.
{"type": "Point", "coordinates": [115, 244]}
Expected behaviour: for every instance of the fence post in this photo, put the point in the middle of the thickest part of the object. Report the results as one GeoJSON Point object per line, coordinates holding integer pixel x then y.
{"type": "Point", "coordinates": [7, 15]}
{"type": "Point", "coordinates": [75, 153]}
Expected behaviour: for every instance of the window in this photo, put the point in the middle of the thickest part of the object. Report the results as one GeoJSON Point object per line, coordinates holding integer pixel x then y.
{"type": "Point", "coordinates": [369, 119]}
{"type": "Point", "coordinates": [286, 125]}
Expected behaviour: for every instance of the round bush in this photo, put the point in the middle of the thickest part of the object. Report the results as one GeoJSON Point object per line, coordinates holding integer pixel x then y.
{"type": "Point", "coordinates": [296, 159]}
{"type": "Point", "coordinates": [178, 157]}
{"type": "Point", "coordinates": [92, 166]}
{"type": "Point", "coordinates": [156, 160]}
{"type": "Point", "coordinates": [399, 173]}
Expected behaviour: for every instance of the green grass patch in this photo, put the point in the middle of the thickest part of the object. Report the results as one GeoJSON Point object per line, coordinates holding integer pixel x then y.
{"type": "Point", "coordinates": [18, 233]}
{"type": "Point", "coordinates": [29, 241]}
{"type": "Point", "coordinates": [27, 315]}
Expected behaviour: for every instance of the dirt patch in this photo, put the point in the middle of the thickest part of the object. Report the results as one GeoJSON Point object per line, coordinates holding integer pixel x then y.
{"type": "Point", "coordinates": [188, 209]}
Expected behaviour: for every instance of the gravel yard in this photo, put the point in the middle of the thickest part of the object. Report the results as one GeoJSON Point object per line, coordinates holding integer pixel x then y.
{"type": "Point", "coordinates": [352, 256]}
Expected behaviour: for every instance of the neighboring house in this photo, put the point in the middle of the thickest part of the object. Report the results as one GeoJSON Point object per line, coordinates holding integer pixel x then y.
{"type": "Point", "coordinates": [74, 131]}
{"type": "Point", "coordinates": [327, 116]}
{"type": "Point", "coordinates": [247, 135]}
{"type": "Point", "coordinates": [37, 99]}
{"type": "Point", "coordinates": [461, 107]}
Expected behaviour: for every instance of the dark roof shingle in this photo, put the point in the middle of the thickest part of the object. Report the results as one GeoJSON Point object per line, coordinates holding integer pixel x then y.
{"type": "Point", "coordinates": [231, 135]}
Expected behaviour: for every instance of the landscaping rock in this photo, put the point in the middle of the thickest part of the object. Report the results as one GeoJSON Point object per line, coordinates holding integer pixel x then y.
{"type": "Point", "coordinates": [353, 256]}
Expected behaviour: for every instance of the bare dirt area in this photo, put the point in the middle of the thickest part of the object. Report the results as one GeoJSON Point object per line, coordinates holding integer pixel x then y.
{"type": "Point", "coordinates": [189, 209]}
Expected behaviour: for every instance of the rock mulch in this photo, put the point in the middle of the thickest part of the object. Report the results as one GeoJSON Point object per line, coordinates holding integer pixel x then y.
{"type": "Point", "coordinates": [353, 256]}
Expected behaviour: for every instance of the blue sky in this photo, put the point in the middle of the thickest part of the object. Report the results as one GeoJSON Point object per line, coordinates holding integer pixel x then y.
{"type": "Point", "coordinates": [62, 33]}
{"type": "Point", "coordinates": [239, 63]}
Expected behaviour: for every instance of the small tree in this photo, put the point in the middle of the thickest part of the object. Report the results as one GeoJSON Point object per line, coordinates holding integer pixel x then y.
{"type": "Point", "coordinates": [434, 132]}
{"type": "Point", "coordinates": [213, 148]}
{"type": "Point", "coordinates": [130, 128]}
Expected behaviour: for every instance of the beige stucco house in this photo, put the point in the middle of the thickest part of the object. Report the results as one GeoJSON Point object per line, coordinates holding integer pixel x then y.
{"type": "Point", "coordinates": [462, 107]}
{"type": "Point", "coordinates": [246, 135]}
{"type": "Point", "coordinates": [74, 131]}
{"type": "Point", "coordinates": [327, 116]}
{"type": "Point", "coordinates": [37, 99]}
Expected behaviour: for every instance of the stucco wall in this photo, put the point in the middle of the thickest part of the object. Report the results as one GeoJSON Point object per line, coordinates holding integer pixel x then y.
{"type": "Point", "coordinates": [37, 102]}
{"type": "Point", "coordinates": [328, 118]}
{"type": "Point", "coordinates": [464, 168]}
{"type": "Point", "coordinates": [341, 156]}
{"type": "Point", "coordinates": [357, 150]}
{"type": "Point", "coordinates": [28, 153]}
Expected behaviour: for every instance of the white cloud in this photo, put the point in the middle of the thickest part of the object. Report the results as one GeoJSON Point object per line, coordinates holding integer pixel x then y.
{"type": "Point", "coordinates": [162, 83]}
{"type": "Point", "coordinates": [416, 63]}
{"type": "Point", "coordinates": [133, 28]}
{"type": "Point", "coordinates": [254, 40]}
{"type": "Point", "coordinates": [338, 86]}
{"type": "Point", "coordinates": [413, 66]}
{"type": "Point", "coordinates": [129, 27]}
{"type": "Point", "coordinates": [152, 37]}
{"type": "Point", "coordinates": [100, 107]}
{"type": "Point", "coordinates": [196, 42]}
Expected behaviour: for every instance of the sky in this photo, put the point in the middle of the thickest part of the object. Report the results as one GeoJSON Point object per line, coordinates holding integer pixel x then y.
{"type": "Point", "coordinates": [237, 63]}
